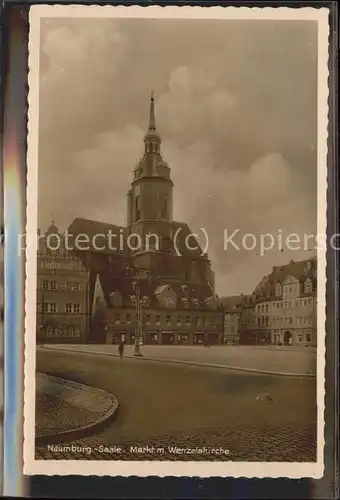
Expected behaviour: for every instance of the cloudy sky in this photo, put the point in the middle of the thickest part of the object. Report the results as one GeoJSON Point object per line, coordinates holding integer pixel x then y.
{"type": "Point", "coordinates": [236, 110]}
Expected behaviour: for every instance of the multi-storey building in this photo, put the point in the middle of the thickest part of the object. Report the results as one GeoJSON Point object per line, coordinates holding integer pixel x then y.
{"type": "Point", "coordinates": [177, 302]}
{"type": "Point", "coordinates": [232, 309]}
{"type": "Point", "coordinates": [170, 313]}
{"type": "Point", "coordinates": [62, 292]}
{"type": "Point", "coordinates": [283, 307]}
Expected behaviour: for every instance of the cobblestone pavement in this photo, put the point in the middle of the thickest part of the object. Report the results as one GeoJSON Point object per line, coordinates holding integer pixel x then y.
{"type": "Point", "coordinates": [252, 443]}
{"type": "Point", "coordinates": [275, 360]}
{"type": "Point", "coordinates": [167, 405]}
{"type": "Point", "coordinates": [63, 405]}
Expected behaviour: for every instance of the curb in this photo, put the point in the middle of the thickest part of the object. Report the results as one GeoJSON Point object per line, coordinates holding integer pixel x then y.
{"type": "Point", "coordinates": [85, 430]}
{"type": "Point", "coordinates": [192, 363]}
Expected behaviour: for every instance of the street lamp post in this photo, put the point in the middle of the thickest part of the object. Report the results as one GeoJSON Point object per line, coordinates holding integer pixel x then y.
{"type": "Point", "coordinates": [137, 351]}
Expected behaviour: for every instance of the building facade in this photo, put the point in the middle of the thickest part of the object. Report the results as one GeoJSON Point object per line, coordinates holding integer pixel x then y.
{"type": "Point", "coordinates": [283, 308]}
{"type": "Point", "coordinates": [62, 292]}
{"type": "Point", "coordinates": [232, 310]}
{"type": "Point", "coordinates": [154, 258]}
{"type": "Point", "coordinates": [170, 313]}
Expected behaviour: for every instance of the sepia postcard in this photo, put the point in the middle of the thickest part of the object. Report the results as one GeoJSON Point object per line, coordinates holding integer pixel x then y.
{"type": "Point", "coordinates": [175, 241]}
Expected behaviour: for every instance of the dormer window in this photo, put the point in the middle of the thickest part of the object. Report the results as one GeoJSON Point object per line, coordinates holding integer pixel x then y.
{"type": "Point", "coordinates": [185, 301]}
{"type": "Point", "coordinates": [308, 286]}
{"type": "Point", "coordinates": [278, 289]}
{"type": "Point", "coordinates": [168, 302]}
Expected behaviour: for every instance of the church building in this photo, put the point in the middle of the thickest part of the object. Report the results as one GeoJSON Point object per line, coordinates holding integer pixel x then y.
{"type": "Point", "coordinates": [156, 275]}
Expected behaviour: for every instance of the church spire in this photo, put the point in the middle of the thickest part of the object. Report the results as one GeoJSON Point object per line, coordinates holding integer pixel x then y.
{"type": "Point", "coordinates": [152, 140]}
{"type": "Point", "coordinates": [152, 120]}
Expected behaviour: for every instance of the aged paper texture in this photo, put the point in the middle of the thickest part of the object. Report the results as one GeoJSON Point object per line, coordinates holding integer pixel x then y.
{"type": "Point", "coordinates": [176, 219]}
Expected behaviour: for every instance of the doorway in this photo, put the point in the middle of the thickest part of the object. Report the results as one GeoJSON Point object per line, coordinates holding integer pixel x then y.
{"type": "Point", "coordinates": [287, 339]}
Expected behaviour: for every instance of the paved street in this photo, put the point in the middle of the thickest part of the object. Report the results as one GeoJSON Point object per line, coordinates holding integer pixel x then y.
{"type": "Point", "coordinates": [163, 405]}
{"type": "Point", "coordinates": [275, 360]}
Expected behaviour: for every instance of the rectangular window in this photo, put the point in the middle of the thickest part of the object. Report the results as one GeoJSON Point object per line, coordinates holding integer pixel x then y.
{"type": "Point", "coordinates": [158, 320]}
{"type": "Point", "coordinates": [53, 285]}
{"type": "Point", "coordinates": [168, 320]}
{"type": "Point", "coordinates": [53, 307]}
{"type": "Point", "coordinates": [128, 318]}
{"type": "Point", "coordinates": [69, 286]}
{"type": "Point", "coordinates": [187, 321]}
{"type": "Point", "coordinates": [213, 321]}
{"type": "Point", "coordinates": [117, 319]}
{"type": "Point", "coordinates": [76, 308]}
{"type": "Point", "coordinates": [45, 285]}
{"type": "Point", "coordinates": [179, 320]}
{"type": "Point", "coordinates": [148, 319]}
{"type": "Point", "coordinates": [68, 308]}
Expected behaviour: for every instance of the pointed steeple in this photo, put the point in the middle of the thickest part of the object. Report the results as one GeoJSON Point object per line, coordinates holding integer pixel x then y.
{"type": "Point", "coordinates": [151, 139]}
{"type": "Point", "coordinates": [152, 120]}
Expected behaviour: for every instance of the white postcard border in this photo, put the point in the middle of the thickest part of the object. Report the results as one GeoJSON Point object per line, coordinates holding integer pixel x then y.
{"type": "Point", "coordinates": [168, 468]}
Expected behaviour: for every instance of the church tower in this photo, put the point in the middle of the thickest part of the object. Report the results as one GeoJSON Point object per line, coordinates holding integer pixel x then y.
{"type": "Point", "coordinates": [150, 196]}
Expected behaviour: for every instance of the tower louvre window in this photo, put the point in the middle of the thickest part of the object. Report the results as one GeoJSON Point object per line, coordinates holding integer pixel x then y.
{"type": "Point", "coordinates": [137, 206]}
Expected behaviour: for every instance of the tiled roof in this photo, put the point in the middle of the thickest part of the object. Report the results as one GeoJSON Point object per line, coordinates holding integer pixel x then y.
{"type": "Point", "coordinates": [197, 295]}
{"type": "Point", "coordinates": [91, 228]}
{"type": "Point", "coordinates": [300, 270]}
{"type": "Point", "coordinates": [183, 245]}
{"type": "Point", "coordinates": [232, 303]}
{"type": "Point", "coordinates": [186, 242]}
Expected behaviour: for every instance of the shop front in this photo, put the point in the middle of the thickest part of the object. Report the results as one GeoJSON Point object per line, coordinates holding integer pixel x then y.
{"type": "Point", "coordinates": [182, 339]}
{"type": "Point", "coordinates": [199, 338]}
{"type": "Point", "coordinates": [115, 337]}
{"type": "Point", "coordinates": [152, 338]}
{"type": "Point", "coordinates": [168, 338]}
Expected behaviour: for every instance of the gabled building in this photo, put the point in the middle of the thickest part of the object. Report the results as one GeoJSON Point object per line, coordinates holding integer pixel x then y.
{"type": "Point", "coordinates": [284, 307]}
{"type": "Point", "coordinates": [174, 276]}
{"type": "Point", "coordinates": [63, 309]}
{"type": "Point", "coordinates": [232, 308]}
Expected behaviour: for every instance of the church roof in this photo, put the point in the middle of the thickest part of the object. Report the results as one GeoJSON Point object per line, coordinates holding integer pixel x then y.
{"type": "Point", "coordinates": [97, 239]}
{"type": "Point", "coordinates": [100, 236]}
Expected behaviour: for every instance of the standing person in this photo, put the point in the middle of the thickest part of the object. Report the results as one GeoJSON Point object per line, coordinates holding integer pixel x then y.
{"type": "Point", "coordinates": [121, 349]}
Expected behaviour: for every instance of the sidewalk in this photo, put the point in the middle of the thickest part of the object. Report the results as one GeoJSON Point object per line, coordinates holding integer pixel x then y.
{"type": "Point", "coordinates": [67, 410]}
{"type": "Point", "coordinates": [276, 362]}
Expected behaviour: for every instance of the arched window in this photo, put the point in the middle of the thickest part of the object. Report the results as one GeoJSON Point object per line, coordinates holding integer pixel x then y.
{"type": "Point", "coordinates": [278, 289]}
{"type": "Point", "coordinates": [308, 286]}
{"type": "Point", "coordinates": [137, 207]}
{"type": "Point", "coordinates": [164, 213]}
